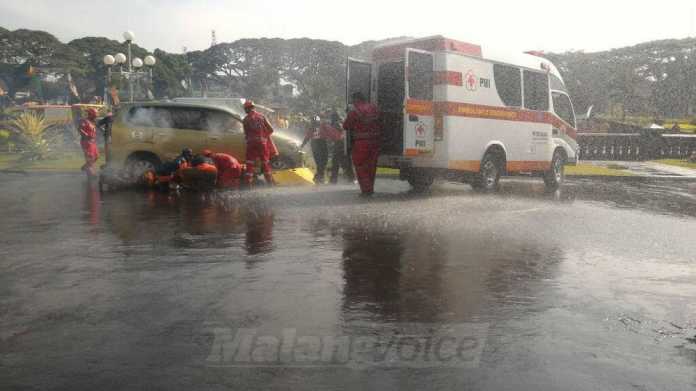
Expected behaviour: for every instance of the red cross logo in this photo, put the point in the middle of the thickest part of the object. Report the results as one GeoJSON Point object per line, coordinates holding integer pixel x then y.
{"type": "Point", "coordinates": [471, 81]}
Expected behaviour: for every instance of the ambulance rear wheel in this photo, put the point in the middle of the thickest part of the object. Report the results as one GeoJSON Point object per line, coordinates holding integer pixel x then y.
{"type": "Point", "coordinates": [554, 178]}
{"type": "Point", "coordinates": [489, 175]}
{"type": "Point", "coordinates": [420, 181]}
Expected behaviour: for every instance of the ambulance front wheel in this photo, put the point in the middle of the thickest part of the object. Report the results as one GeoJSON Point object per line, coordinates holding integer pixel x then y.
{"type": "Point", "coordinates": [420, 181]}
{"type": "Point", "coordinates": [556, 175]}
{"type": "Point", "coordinates": [489, 174]}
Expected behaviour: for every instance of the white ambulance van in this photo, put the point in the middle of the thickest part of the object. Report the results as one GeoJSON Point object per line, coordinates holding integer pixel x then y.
{"type": "Point", "coordinates": [458, 111]}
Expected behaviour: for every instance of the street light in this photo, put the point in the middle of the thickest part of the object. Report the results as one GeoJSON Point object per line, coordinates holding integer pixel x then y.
{"type": "Point", "coordinates": [120, 58]}
{"type": "Point", "coordinates": [109, 60]}
{"type": "Point", "coordinates": [129, 36]}
{"type": "Point", "coordinates": [134, 64]}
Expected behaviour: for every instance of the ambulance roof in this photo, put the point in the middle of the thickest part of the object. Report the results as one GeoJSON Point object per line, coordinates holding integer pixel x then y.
{"type": "Point", "coordinates": [435, 43]}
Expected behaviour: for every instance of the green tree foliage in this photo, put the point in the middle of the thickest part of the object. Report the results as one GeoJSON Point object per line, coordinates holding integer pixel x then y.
{"type": "Point", "coordinates": [655, 78]}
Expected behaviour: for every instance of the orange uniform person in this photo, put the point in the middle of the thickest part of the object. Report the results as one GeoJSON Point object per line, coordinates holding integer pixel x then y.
{"type": "Point", "coordinates": [88, 142]}
{"type": "Point", "coordinates": [363, 124]}
{"type": "Point", "coordinates": [229, 171]}
{"type": "Point", "coordinates": [257, 131]}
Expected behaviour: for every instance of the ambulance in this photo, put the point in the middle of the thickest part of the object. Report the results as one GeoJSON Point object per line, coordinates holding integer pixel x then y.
{"type": "Point", "coordinates": [454, 110]}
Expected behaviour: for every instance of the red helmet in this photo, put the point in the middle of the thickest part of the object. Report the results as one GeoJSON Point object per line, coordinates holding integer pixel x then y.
{"type": "Point", "coordinates": [91, 113]}
{"type": "Point", "coordinates": [248, 104]}
{"type": "Point", "coordinates": [207, 153]}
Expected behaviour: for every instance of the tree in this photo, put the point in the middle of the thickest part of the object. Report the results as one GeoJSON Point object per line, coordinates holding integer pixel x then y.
{"type": "Point", "coordinates": [90, 78]}
{"type": "Point", "coordinates": [169, 73]}
{"type": "Point", "coordinates": [317, 69]}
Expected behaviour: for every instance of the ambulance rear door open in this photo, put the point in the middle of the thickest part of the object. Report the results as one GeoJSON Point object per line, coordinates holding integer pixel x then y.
{"type": "Point", "coordinates": [404, 96]}
{"type": "Point", "coordinates": [358, 79]}
{"type": "Point", "coordinates": [418, 115]}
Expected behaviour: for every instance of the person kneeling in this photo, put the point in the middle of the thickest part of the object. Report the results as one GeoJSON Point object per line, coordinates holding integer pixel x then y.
{"type": "Point", "coordinates": [229, 171]}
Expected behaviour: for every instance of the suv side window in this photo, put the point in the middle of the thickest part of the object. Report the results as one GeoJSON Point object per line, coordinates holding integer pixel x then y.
{"type": "Point", "coordinates": [149, 117]}
{"type": "Point", "coordinates": [187, 118]}
{"type": "Point", "coordinates": [563, 108]}
{"type": "Point", "coordinates": [218, 122]}
{"type": "Point", "coordinates": [536, 91]}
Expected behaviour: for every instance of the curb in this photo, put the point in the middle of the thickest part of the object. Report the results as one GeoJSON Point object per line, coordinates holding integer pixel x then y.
{"type": "Point", "coordinates": [39, 172]}
{"type": "Point", "coordinates": [634, 178]}
{"type": "Point", "coordinates": [614, 178]}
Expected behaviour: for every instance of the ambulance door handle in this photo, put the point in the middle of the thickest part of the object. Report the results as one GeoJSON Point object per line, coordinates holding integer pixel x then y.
{"type": "Point", "coordinates": [214, 137]}
{"type": "Point", "coordinates": [554, 131]}
{"type": "Point", "coordinates": [412, 118]}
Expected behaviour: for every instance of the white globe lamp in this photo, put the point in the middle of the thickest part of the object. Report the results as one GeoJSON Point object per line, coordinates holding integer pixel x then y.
{"type": "Point", "coordinates": [150, 61]}
{"type": "Point", "coordinates": [120, 58]}
{"type": "Point", "coordinates": [129, 36]}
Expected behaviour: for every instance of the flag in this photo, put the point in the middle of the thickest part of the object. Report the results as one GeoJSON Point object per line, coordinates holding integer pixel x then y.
{"type": "Point", "coordinates": [115, 101]}
{"type": "Point", "coordinates": [72, 87]}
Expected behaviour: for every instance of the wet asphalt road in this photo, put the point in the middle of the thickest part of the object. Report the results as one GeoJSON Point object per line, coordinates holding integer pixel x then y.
{"type": "Point", "coordinates": [590, 288]}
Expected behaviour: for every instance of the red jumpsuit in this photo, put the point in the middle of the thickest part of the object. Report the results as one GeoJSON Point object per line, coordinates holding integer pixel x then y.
{"type": "Point", "coordinates": [363, 124]}
{"type": "Point", "coordinates": [229, 170]}
{"type": "Point", "coordinates": [257, 132]}
{"type": "Point", "coordinates": [88, 141]}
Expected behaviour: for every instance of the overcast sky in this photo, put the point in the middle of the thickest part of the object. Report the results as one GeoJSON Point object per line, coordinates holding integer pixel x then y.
{"type": "Point", "coordinates": [589, 25]}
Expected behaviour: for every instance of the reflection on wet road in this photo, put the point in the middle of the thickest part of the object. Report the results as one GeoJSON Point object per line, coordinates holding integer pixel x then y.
{"type": "Point", "coordinates": [588, 288]}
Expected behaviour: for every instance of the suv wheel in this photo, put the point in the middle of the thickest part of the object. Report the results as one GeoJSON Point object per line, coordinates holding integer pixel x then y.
{"type": "Point", "coordinates": [137, 165]}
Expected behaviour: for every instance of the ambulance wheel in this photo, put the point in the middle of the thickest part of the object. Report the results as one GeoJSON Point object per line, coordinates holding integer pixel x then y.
{"type": "Point", "coordinates": [420, 181]}
{"type": "Point", "coordinates": [138, 163]}
{"type": "Point", "coordinates": [489, 175]}
{"type": "Point", "coordinates": [554, 178]}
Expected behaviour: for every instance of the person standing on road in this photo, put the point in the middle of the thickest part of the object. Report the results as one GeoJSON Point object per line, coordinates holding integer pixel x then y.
{"type": "Point", "coordinates": [257, 131]}
{"type": "Point", "coordinates": [320, 148]}
{"type": "Point", "coordinates": [88, 142]}
{"type": "Point", "coordinates": [339, 159]}
{"type": "Point", "coordinates": [362, 123]}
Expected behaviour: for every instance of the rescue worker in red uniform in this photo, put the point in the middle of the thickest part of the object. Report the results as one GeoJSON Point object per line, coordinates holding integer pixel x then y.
{"type": "Point", "coordinates": [257, 131]}
{"type": "Point", "coordinates": [88, 142]}
{"type": "Point", "coordinates": [363, 125]}
{"type": "Point", "coordinates": [228, 168]}
{"type": "Point", "coordinates": [320, 147]}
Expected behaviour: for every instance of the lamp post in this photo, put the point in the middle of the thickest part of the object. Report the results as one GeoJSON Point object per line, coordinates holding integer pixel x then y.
{"type": "Point", "coordinates": [134, 64]}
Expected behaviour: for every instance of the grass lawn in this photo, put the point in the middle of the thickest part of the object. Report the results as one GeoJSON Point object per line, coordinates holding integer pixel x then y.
{"type": "Point", "coordinates": [677, 162]}
{"type": "Point", "coordinates": [585, 169]}
{"type": "Point", "coordinates": [582, 169]}
{"type": "Point", "coordinates": [387, 171]}
{"type": "Point", "coordinates": [69, 161]}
